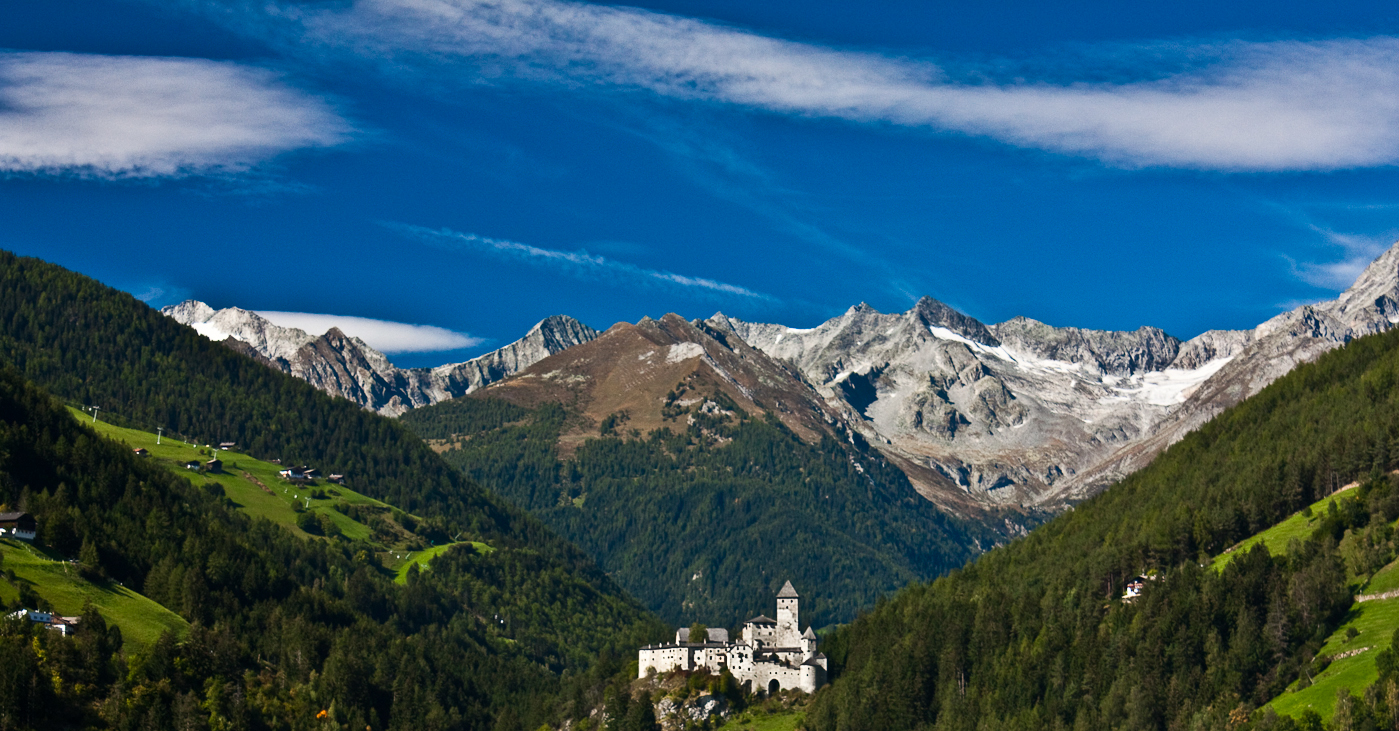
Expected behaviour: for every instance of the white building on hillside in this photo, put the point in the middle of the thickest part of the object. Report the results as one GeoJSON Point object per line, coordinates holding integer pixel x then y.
{"type": "Point", "coordinates": [771, 654]}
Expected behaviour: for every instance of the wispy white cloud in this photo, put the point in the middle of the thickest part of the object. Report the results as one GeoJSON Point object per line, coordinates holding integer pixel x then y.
{"type": "Point", "coordinates": [382, 335]}
{"type": "Point", "coordinates": [576, 263]}
{"type": "Point", "coordinates": [142, 117]}
{"type": "Point", "coordinates": [1286, 105]}
{"type": "Point", "coordinates": [1358, 251]}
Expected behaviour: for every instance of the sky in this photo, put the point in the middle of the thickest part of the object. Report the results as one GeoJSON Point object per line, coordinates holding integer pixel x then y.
{"type": "Point", "coordinates": [436, 176]}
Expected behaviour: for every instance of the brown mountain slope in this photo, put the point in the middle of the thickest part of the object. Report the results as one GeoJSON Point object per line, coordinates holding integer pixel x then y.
{"type": "Point", "coordinates": [640, 376]}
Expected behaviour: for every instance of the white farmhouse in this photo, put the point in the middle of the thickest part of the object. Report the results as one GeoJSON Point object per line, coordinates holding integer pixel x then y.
{"type": "Point", "coordinates": [771, 654]}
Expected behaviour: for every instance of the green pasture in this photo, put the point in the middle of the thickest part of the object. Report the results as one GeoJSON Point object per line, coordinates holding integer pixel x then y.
{"type": "Point", "coordinates": [422, 558]}
{"type": "Point", "coordinates": [141, 620]}
{"type": "Point", "coordinates": [757, 720]}
{"type": "Point", "coordinates": [1276, 538]}
{"type": "Point", "coordinates": [273, 499]}
{"type": "Point", "coordinates": [1375, 621]}
{"type": "Point", "coordinates": [1386, 579]}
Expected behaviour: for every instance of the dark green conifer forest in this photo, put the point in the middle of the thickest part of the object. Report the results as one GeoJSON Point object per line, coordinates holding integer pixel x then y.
{"type": "Point", "coordinates": [705, 520]}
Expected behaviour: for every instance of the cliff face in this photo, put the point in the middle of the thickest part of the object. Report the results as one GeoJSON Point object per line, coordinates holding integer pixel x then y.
{"type": "Point", "coordinates": [343, 365]}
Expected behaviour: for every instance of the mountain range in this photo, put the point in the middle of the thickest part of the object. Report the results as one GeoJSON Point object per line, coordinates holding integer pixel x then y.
{"type": "Point", "coordinates": [343, 365]}
{"type": "Point", "coordinates": [1013, 414]}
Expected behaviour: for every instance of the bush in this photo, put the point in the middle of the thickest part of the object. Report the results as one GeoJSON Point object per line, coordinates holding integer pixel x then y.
{"type": "Point", "coordinates": [308, 522]}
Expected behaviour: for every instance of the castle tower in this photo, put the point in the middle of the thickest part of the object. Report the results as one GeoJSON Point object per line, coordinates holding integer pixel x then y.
{"type": "Point", "coordinates": [787, 612]}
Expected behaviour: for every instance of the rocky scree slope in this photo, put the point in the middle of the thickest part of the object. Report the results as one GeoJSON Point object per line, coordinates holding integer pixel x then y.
{"type": "Point", "coordinates": [1021, 412]}
{"type": "Point", "coordinates": [343, 365]}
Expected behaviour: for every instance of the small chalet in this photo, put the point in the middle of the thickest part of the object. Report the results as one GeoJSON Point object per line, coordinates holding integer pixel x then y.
{"type": "Point", "coordinates": [1134, 589]}
{"type": "Point", "coordinates": [214, 465]}
{"type": "Point", "coordinates": [62, 625]}
{"type": "Point", "coordinates": [227, 445]}
{"type": "Point", "coordinates": [299, 473]}
{"type": "Point", "coordinates": [337, 479]}
{"type": "Point", "coordinates": [140, 451]}
{"type": "Point", "coordinates": [18, 525]}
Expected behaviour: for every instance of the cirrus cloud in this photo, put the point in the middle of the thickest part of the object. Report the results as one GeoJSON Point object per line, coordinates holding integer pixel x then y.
{"type": "Point", "coordinates": [143, 117]}
{"type": "Point", "coordinates": [1237, 106]}
{"type": "Point", "coordinates": [579, 264]}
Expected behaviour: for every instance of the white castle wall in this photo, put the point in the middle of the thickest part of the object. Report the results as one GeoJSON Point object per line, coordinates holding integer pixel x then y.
{"type": "Point", "coordinates": [767, 651]}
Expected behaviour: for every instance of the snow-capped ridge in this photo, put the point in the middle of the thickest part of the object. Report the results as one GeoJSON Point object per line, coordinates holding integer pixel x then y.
{"type": "Point", "coordinates": [344, 365]}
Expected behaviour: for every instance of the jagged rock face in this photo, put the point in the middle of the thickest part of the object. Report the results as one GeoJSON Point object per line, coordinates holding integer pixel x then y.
{"type": "Point", "coordinates": [1021, 411]}
{"type": "Point", "coordinates": [1004, 412]}
{"type": "Point", "coordinates": [346, 366]}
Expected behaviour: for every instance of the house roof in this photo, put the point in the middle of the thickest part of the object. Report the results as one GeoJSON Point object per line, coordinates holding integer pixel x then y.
{"type": "Point", "coordinates": [7, 517]}
{"type": "Point", "coordinates": [787, 592]}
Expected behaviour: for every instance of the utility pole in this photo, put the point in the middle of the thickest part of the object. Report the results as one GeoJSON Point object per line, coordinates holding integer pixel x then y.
{"type": "Point", "coordinates": [94, 413]}
{"type": "Point", "coordinates": [158, 431]}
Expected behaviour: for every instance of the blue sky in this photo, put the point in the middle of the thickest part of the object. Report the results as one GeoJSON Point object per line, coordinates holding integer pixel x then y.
{"type": "Point", "coordinates": [476, 167]}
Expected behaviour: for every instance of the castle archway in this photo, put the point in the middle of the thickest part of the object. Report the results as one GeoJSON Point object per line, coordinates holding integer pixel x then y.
{"type": "Point", "coordinates": [774, 686]}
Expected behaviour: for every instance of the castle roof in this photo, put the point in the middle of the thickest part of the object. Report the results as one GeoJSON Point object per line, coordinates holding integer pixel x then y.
{"type": "Point", "coordinates": [813, 660]}
{"type": "Point", "coordinates": [760, 619]}
{"type": "Point", "coordinates": [808, 634]}
{"type": "Point", "coordinates": [787, 592]}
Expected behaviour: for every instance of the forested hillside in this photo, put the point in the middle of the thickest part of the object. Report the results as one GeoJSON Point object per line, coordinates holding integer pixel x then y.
{"type": "Point", "coordinates": [704, 519]}
{"type": "Point", "coordinates": [94, 345]}
{"type": "Point", "coordinates": [283, 627]}
{"type": "Point", "coordinates": [1034, 635]}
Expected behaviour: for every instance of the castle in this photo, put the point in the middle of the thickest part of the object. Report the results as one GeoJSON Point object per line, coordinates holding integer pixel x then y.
{"type": "Point", "coordinates": [771, 655]}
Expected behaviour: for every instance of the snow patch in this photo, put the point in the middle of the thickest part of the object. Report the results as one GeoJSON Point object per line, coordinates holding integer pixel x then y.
{"type": "Point", "coordinates": [683, 351]}
{"type": "Point", "coordinates": [1169, 387]}
{"type": "Point", "coordinates": [942, 333]}
{"type": "Point", "coordinates": [212, 331]}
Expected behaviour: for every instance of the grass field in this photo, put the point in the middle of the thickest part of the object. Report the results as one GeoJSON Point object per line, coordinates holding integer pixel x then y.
{"type": "Point", "coordinates": [756, 720]}
{"type": "Point", "coordinates": [421, 558]}
{"type": "Point", "coordinates": [272, 499]}
{"type": "Point", "coordinates": [1386, 579]}
{"type": "Point", "coordinates": [1275, 539]}
{"type": "Point", "coordinates": [256, 488]}
{"type": "Point", "coordinates": [58, 583]}
{"type": "Point", "coordinates": [1375, 621]}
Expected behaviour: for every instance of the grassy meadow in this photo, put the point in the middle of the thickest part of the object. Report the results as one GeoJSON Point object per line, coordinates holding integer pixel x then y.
{"type": "Point", "coordinates": [57, 582]}
{"type": "Point", "coordinates": [255, 487]}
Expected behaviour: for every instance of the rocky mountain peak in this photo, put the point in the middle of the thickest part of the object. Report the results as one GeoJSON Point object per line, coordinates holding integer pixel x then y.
{"type": "Point", "coordinates": [344, 365]}
{"type": "Point", "coordinates": [932, 313]}
{"type": "Point", "coordinates": [1371, 304]}
{"type": "Point", "coordinates": [189, 311]}
{"type": "Point", "coordinates": [1114, 352]}
{"type": "Point", "coordinates": [278, 344]}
